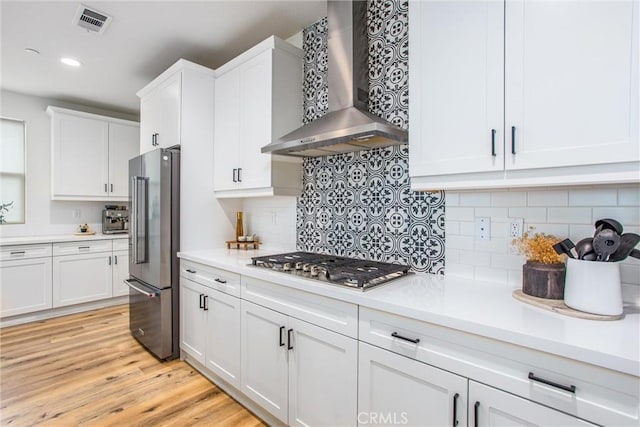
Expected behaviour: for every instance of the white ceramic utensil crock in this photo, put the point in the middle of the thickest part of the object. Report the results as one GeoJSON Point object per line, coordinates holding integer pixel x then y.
{"type": "Point", "coordinates": [593, 287]}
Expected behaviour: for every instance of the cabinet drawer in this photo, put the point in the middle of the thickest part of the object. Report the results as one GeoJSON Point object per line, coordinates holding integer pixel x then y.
{"type": "Point", "coordinates": [120, 244]}
{"type": "Point", "coordinates": [329, 313]}
{"type": "Point", "coordinates": [220, 280]}
{"type": "Point", "coordinates": [25, 251]}
{"type": "Point", "coordinates": [601, 395]}
{"type": "Point", "coordinates": [74, 248]}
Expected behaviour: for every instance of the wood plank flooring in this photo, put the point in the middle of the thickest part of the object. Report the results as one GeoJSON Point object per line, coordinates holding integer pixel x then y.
{"type": "Point", "coordinates": [86, 370]}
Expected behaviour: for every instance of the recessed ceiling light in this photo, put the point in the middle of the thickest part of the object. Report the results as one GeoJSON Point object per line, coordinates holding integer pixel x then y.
{"type": "Point", "coordinates": [30, 50]}
{"type": "Point", "coordinates": [70, 62]}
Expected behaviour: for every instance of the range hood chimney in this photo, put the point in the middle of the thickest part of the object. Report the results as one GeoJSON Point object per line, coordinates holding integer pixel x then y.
{"type": "Point", "coordinates": [348, 126]}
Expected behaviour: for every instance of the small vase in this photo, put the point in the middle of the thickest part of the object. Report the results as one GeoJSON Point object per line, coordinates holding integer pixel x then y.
{"type": "Point", "coordinates": [239, 226]}
{"type": "Point", "coordinates": [594, 287]}
{"type": "Point", "coordinates": [543, 280]}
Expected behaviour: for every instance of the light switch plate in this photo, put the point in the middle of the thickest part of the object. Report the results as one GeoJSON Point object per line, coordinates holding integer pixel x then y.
{"type": "Point", "coordinates": [483, 228]}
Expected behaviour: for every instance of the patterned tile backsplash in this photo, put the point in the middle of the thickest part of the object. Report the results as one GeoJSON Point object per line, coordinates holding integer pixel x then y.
{"type": "Point", "coordinates": [359, 204]}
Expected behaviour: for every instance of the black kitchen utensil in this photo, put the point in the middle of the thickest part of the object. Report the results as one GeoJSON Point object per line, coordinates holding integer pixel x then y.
{"type": "Point", "coordinates": [589, 256]}
{"type": "Point", "coordinates": [584, 247]}
{"type": "Point", "coordinates": [608, 224]}
{"type": "Point", "coordinates": [635, 253]}
{"type": "Point", "coordinates": [628, 241]}
{"type": "Point", "coordinates": [605, 243]}
{"type": "Point", "coordinates": [565, 247]}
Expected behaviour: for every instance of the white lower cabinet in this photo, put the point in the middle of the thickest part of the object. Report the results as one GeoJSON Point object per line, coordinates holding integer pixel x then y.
{"type": "Point", "coordinates": [396, 390]}
{"type": "Point", "coordinates": [210, 329]}
{"type": "Point", "coordinates": [25, 286]}
{"type": "Point", "coordinates": [301, 373]}
{"type": "Point", "coordinates": [82, 278]}
{"type": "Point", "coordinates": [489, 406]}
{"type": "Point", "coordinates": [120, 273]}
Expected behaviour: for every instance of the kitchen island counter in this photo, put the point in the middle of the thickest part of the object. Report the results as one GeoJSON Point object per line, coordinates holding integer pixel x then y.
{"type": "Point", "coordinates": [480, 308]}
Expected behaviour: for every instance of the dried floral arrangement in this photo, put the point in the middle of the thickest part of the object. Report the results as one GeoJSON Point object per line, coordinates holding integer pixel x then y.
{"type": "Point", "coordinates": [538, 247]}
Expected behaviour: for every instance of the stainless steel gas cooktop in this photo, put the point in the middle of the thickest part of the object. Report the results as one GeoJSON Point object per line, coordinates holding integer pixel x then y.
{"type": "Point", "coordinates": [351, 272]}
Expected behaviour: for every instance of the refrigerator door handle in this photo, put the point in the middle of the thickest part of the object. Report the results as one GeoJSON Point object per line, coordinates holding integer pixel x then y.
{"type": "Point", "coordinates": [142, 291]}
{"type": "Point", "coordinates": [139, 219]}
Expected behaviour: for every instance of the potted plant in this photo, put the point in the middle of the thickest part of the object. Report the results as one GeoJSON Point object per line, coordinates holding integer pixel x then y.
{"type": "Point", "coordinates": [544, 272]}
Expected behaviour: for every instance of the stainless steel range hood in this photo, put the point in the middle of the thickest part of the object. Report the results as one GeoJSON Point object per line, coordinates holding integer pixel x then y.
{"type": "Point", "coordinates": [348, 126]}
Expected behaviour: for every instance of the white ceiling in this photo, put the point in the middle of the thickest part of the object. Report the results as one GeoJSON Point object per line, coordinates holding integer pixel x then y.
{"type": "Point", "coordinates": [143, 39]}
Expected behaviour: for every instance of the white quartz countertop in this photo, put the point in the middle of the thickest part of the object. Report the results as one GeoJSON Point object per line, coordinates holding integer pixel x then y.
{"type": "Point", "coordinates": [475, 307]}
{"type": "Point", "coordinates": [56, 238]}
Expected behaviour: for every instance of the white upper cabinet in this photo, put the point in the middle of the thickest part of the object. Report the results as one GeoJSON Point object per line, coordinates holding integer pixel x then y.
{"type": "Point", "coordinates": [160, 114]}
{"type": "Point", "coordinates": [523, 93]}
{"type": "Point", "coordinates": [258, 98]}
{"type": "Point", "coordinates": [175, 107]}
{"type": "Point", "coordinates": [90, 155]}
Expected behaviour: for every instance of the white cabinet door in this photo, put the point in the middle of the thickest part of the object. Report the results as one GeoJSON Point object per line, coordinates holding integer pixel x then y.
{"type": "Point", "coordinates": [323, 382]}
{"type": "Point", "coordinates": [81, 278]}
{"type": "Point", "coordinates": [456, 81]}
{"type": "Point", "coordinates": [226, 141]}
{"type": "Point", "coordinates": [395, 390]}
{"type": "Point", "coordinates": [80, 156]}
{"type": "Point", "coordinates": [491, 407]}
{"type": "Point", "coordinates": [25, 286]}
{"type": "Point", "coordinates": [264, 358]}
{"type": "Point", "coordinates": [571, 86]}
{"type": "Point", "coordinates": [255, 121]}
{"type": "Point", "coordinates": [193, 319]}
{"type": "Point", "coordinates": [160, 115]}
{"type": "Point", "coordinates": [120, 273]}
{"type": "Point", "coordinates": [123, 145]}
{"type": "Point", "coordinates": [223, 336]}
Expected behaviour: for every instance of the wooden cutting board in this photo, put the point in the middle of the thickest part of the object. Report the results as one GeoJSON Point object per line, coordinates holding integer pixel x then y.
{"type": "Point", "coordinates": [558, 306]}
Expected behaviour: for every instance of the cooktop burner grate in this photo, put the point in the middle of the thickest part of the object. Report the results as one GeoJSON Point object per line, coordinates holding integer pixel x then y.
{"type": "Point", "coordinates": [352, 272]}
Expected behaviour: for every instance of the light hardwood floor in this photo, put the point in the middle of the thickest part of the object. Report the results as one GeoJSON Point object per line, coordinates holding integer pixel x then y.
{"type": "Point", "coordinates": [86, 369]}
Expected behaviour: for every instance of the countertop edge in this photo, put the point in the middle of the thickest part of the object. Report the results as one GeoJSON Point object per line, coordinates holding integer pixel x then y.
{"type": "Point", "coordinates": [57, 238]}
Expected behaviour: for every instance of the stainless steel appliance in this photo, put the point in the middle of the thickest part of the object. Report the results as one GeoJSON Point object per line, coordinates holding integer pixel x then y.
{"type": "Point", "coordinates": [115, 219]}
{"type": "Point", "coordinates": [154, 241]}
{"type": "Point", "coordinates": [351, 272]}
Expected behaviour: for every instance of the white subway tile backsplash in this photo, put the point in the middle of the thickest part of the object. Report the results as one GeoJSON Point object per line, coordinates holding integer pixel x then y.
{"type": "Point", "coordinates": [508, 198]}
{"type": "Point", "coordinates": [470, 257]}
{"type": "Point", "coordinates": [467, 228]}
{"type": "Point", "coordinates": [475, 199]}
{"type": "Point", "coordinates": [627, 215]}
{"type": "Point", "coordinates": [515, 278]}
{"type": "Point", "coordinates": [569, 215]}
{"type": "Point", "coordinates": [452, 256]}
{"type": "Point", "coordinates": [630, 273]}
{"type": "Point", "coordinates": [579, 232]}
{"type": "Point", "coordinates": [491, 274]}
{"type": "Point", "coordinates": [496, 214]}
{"type": "Point", "coordinates": [629, 196]}
{"type": "Point", "coordinates": [451, 227]}
{"type": "Point", "coordinates": [529, 214]}
{"type": "Point", "coordinates": [593, 197]}
{"type": "Point", "coordinates": [497, 245]}
{"type": "Point", "coordinates": [558, 230]}
{"type": "Point", "coordinates": [507, 261]}
{"type": "Point", "coordinates": [459, 242]}
{"type": "Point", "coordinates": [548, 198]}
{"type": "Point", "coordinates": [452, 199]}
{"type": "Point", "coordinates": [458, 270]}
{"type": "Point", "coordinates": [459, 214]}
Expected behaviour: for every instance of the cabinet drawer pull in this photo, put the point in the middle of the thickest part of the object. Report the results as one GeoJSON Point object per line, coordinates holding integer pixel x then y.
{"type": "Point", "coordinates": [239, 174]}
{"type": "Point", "coordinates": [220, 280]}
{"type": "Point", "coordinates": [17, 253]}
{"type": "Point", "coordinates": [513, 140]}
{"type": "Point", "coordinates": [235, 171]}
{"type": "Point", "coordinates": [191, 271]}
{"type": "Point", "coordinates": [569, 388]}
{"type": "Point", "coordinates": [396, 335]}
{"type": "Point", "coordinates": [109, 262]}
{"type": "Point", "coordinates": [111, 187]}
{"type": "Point", "coordinates": [281, 337]}
{"type": "Point", "coordinates": [206, 303]}
{"type": "Point", "coordinates": [201, 301]}
{"type": "Point", "coordinates": [115, 259]}
{"type": "Point", "coordinates": [475, 414]}
{"type": "Point", "coordinates": [493, 142]}
{"type": "Point", "coordinates": [84, 248]}
{"type": "Point", "coordinates": [455, 410]}
{"type": "Point", "coordinates": [289, 339]}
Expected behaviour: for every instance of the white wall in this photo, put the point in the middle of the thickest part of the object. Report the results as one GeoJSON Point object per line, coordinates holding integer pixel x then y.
{"type": "Point", "coordinates": [564, 212]}
{"type": "Point", "coordinates": [44, 216]}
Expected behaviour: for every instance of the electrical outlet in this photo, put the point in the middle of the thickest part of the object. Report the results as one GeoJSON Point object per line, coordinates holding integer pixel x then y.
{"type": "Point", "coordinates": [483, 228]}
{"type": "Point", "coordinates": [515, 227]}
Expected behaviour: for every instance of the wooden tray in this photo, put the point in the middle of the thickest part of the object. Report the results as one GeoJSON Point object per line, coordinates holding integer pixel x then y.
{"type": "Point", "coordinates": [86, 233]}
{"type": "Point", "coordinates": [234, 244]}
{"type": "Point", "coordinates": [558, 306]}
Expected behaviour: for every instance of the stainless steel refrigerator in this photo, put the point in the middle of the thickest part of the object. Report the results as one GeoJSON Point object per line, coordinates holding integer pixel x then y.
{"type": "Point", "coordinates": [154, 240]}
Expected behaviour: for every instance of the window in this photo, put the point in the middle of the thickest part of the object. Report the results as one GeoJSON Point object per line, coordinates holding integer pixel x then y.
{"type": "Point", "coordinates": [12, 171]}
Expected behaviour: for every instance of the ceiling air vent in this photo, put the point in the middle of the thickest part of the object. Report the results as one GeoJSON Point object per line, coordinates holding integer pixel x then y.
{"type": "Point", "coordinates": [91, 19]}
